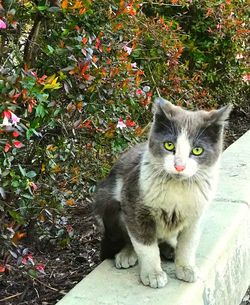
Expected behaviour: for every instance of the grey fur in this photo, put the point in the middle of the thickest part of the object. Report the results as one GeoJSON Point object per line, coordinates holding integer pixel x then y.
{"type": "Point", "coordinates": [120, 201]}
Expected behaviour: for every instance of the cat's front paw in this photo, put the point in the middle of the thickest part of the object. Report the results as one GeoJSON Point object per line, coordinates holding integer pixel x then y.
{"type": "Point", "coordinates": [125, 258]}
{"type": "Point", "coordinates": [154, 279]}
{"type": "Point", "coordinates": [186, 273]}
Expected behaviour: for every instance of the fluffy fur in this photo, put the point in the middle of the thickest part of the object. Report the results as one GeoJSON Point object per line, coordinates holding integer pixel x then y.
{"type": "Point", "coordinates": [147, 201]}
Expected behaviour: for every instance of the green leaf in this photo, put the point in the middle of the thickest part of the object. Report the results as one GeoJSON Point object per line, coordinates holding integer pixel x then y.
{"type": "Point", "coordinates": [15, 183]}
{"type": "Point", "coordinates": [27, 196]}
{"type": "Point", "coordinates": [31, 174]}
{"type": "Point", "coordinates": [22, 170]}
{"type": "Point", "coordinates": [42, 7]}
{"type": "Point", "coordinates": [54, 9]}
{"type": "Point", "coordinates": [40, 111]}
{"type": "Point", "coordinates": [16, 216]}
{"type": "Point", "coordinates": [32, 273]}
{"type": "Point", "coordinates": [51, 49]}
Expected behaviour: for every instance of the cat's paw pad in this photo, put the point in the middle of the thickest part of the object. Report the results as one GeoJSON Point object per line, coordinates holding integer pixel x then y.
{"type": "Point", "coordinates": [125, 259]}
{"type": "Point", "coordinates": [186, 273]}
{"type": "Point", "coordinates": [155, 279]}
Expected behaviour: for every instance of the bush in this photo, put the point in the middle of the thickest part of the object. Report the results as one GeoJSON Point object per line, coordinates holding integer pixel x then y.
{"type": "Point", "coordinates": [77, 80]}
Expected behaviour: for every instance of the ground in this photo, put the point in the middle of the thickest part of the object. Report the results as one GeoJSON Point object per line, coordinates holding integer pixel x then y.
{"type": "Point", "coordinates": [64, 268]}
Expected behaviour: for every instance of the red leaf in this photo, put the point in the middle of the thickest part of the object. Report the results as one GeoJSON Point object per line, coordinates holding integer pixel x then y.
{"type": "Point", "coordinates": [84, 40]}
{"type": "Point", "coordinates": [130, 123]}
{"type": "Point", "coordinates": [18, 144]}
{"type": "Point", "coordinates": [87, 124]}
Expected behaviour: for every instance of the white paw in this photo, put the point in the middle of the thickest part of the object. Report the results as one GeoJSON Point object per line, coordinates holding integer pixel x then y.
{"type": "Point", "coordinates": [125, 258]}
{"type": "Point", "coordinates": [154, 279]}
{"type": "Point", "coordinates": [186, 273]}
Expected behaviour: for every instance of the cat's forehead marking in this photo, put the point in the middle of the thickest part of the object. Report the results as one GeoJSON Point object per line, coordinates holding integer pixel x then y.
{"type": "Point", "coordinates": [189, 123]}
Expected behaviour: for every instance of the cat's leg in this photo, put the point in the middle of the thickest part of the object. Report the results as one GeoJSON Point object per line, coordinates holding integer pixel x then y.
{"type": "Point", "coordinates": [151, 273]}
{"type": "Point", "coordinates": [185, 253]}
{"type": "Point", "coordinates": [126, 257]}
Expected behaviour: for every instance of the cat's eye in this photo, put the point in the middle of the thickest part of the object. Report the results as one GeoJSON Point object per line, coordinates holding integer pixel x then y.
{"type": "Point", "coordinates": [169, 146]}
{"type": "Point", "coordinates": [197, 151]}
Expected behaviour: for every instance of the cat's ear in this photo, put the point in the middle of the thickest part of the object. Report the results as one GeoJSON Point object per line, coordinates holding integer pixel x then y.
{"type": "Point", "coordinates": [162, 106]}
{"type": "Point", "coordinates": [220, 116]}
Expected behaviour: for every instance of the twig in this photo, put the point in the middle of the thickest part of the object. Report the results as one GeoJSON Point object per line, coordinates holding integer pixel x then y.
{"type": "Point", "coordinates": [161, 4]}
{"type": "Point", "coordinates": [11, 297]}
{"type": "Point", "coordinates": [152, 76]}
{"type": "Point", "coordinates": [52, 288]}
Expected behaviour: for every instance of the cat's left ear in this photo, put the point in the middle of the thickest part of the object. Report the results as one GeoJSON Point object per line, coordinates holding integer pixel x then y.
{"type": "Point", "coordinates": [162, 106]}
{"type": "Point", "coordinates": [221, 115]}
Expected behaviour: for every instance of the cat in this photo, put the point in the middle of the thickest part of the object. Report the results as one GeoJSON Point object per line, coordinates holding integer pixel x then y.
{"type": "Point", "coordinates": [157, 192]}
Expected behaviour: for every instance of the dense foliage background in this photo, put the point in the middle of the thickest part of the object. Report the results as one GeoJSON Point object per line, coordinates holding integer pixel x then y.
{"type": "Point", "coordinates": [77, 79]}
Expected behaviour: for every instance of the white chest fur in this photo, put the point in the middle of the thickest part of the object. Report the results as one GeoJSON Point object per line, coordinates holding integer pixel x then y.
{"type": "Point", "coordinates": [186, 199]}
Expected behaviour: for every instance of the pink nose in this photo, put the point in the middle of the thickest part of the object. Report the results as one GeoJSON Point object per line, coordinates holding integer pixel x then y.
{"type": "Point", "coordinates": [179, 168]}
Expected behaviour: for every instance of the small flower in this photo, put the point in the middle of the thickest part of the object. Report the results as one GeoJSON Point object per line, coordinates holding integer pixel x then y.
{"type": "Point", "coordinates": [127, 49]}
{"type": "Point", "coordinates": [33, 186]}
{"type": "Point", "coordinates": [6, 122]}
{"type": "Point", "coordinates": [246, 78]}
{"type": "Point", "coordinates": [7, 114]}
{"type": "Point", "coordinates": [239, 56]}
{"type": "Point", "coordinates": [133, 65]}
{"type": "Point", "coordinates": [15, 119]}
{"type": "Point", "coordinates": [139, 92]}
{"type": "Point", "coordinates": [121, 124]}
{"type": "Point", "coordinates": [2, 24]}
{"type": "Point", "coordinates": [15, 134]}
{"type": "Point", "coordinates": [219, 26]}
{"type": "Point", "coordinates": [28, 258]}
{"type": "Point", "coordinates": [40, 268]}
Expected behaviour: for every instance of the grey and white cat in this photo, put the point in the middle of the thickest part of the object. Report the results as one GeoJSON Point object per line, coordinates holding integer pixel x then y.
{"type": "Point", "coordinates": [157, 191]}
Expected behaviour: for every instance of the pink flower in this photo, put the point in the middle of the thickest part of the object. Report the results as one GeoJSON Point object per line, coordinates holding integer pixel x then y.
{"type": "Point", "coordinates": [139, 91]}
{"type": "Point", "coordinates": [15, 119]}
{"type": "Point", "coordinates": [28, 258]}
{"type": "Point", "coordinates": [121, 124]}
{"type": "Point", "coordinates": [34, 186]}
{"type": "Point", "coordinates": [219, 26]}
{"type": "Point", "coordinates": [40, 268]}
{"type": "Point", "coordinates": [127, 49]}
{"type": "Point", "coordinates": [246, 78]}
{"type": "Point", "coordinates": [2, 24]}
{"type": "Point", "coordinates": [134, 65]}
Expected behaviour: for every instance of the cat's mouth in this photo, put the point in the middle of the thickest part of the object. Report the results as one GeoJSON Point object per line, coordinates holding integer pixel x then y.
{"type": "Point", "coordinates": [179, 177]}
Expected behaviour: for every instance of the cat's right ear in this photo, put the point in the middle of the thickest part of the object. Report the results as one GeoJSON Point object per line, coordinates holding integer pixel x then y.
{"type": "Point", "coordinates": [162, 106]}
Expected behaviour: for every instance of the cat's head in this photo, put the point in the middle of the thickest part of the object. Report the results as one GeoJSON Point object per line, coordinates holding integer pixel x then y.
{"type": "Point", "coordinates": [185, 142]}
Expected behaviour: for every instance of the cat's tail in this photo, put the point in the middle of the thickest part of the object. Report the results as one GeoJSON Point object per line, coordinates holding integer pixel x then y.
{"type": "Point", "coordinates": [114, 236]}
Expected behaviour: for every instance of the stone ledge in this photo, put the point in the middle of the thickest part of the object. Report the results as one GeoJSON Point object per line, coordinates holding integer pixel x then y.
{"type": "Point", "coordinates": [223, 255]}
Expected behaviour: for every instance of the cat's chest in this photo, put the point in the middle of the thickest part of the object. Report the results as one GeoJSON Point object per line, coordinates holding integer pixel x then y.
{"type": "Point", "coordinates": [175, 203]}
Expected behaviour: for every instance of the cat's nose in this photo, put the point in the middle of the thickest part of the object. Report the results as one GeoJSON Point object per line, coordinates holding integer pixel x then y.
{"type": "Point", "coordinates": [179, 168]}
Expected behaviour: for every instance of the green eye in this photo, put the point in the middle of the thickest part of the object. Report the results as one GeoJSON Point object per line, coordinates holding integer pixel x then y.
{"type": "Point", "coordinates": [169, 146]}
{"type": "Point", "coordinates": [197, 151]}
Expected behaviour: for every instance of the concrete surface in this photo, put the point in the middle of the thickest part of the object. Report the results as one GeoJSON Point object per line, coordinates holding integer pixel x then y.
{"type": "Point", "coordinates": [223, 255]}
